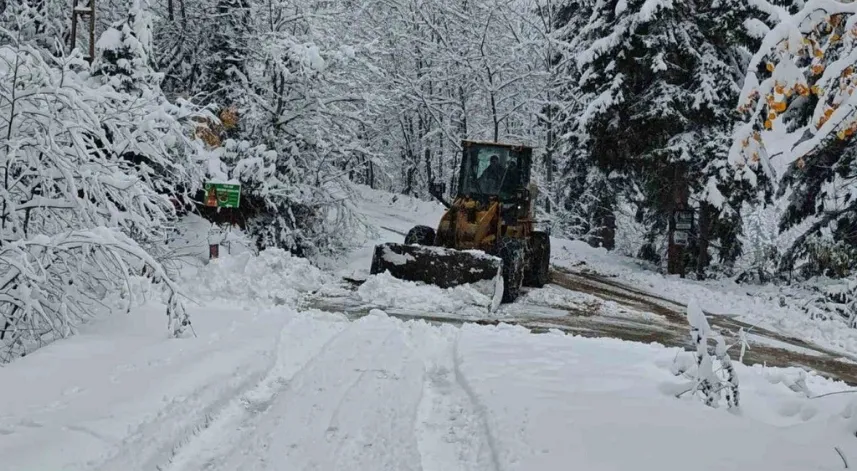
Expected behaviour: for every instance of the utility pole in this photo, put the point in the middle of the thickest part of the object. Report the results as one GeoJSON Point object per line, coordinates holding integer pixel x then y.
{"type": "Point", "coordinates": [83, 12]}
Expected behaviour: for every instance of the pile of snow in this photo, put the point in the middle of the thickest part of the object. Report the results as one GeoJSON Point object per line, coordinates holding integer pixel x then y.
{"type": "Point", "coordinates": [387, 292]}
{"type": "Point", "coordinates": [273, 277]}
{"type": "Point", "coordinates": [190, 240]}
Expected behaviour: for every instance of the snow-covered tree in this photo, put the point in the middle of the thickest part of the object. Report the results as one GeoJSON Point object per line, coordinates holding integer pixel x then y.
{"type": "Point", "coordinates": [124, 51]}
{"type": "Point", "coordinates": [39, 22]}
{"type": "Point", "coordinates": [800, 82]}
{"type": "Point", "coordinates": [799, 90]}
{"type": "Point", "coordinates": [657, 82]}
{"type": "Point", "coordinates": [79, 197]}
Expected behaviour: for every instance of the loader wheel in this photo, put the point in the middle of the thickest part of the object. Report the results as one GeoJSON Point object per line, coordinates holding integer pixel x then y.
{"type": "Point", "coordinates": [420, 235]}
{"type": "Point", "coordinates": [512, 253]}
{"type": "Point", "coordinates": [538, 270]}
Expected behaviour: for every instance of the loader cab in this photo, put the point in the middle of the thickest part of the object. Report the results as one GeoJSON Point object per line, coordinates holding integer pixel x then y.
{"type": "Point", "coordinates": [490, 170]}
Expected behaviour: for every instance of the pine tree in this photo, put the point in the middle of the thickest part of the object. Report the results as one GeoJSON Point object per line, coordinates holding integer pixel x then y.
{"type": "Point", "coordinates": [123, 53]}
{"type": "Point", "coordinates": [586, 198]}
{"type": "Point", "coordinates": [227, 65]}
{"type": "Point", "coordinates": [659, 81]}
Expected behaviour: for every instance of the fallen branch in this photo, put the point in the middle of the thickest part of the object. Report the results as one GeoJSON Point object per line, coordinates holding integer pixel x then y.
{"type": "Point", "coordinates": [844, 461]}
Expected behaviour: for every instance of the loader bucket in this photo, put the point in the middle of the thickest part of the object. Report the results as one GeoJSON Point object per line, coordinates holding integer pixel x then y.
{"type": "Point", "coordinates": [439, 266]}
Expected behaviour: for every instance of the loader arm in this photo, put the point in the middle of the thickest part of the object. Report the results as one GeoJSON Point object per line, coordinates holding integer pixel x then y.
{"type": "Point", "coordinates": [470, 225]}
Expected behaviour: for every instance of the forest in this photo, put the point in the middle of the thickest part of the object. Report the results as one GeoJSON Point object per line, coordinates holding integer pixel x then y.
{"type": "Point", "coordinates": [739, 110]}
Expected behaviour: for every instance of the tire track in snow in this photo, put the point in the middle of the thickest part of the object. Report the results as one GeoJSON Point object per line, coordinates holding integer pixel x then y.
{"type": "Point", "coordinates": [150, 443]}
{"type": "Point", "coordinates": [479, 408]}
{"type": "Point", "coordinates": [301, 341]}
{"type": "Point", "coordinates": [351, 408]}
{"type": "Point", "coordinates": [153, 440]}
{"type": "Point", "coordinates": [450, 431]}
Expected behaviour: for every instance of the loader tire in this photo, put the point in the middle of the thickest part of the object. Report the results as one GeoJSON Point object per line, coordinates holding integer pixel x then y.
{"type": "Point", "coordinates": [538, 266]}
{"type": "Point", "coordinates": [511, 251]}
{"type": "Point", "coordinates": [420, 235]}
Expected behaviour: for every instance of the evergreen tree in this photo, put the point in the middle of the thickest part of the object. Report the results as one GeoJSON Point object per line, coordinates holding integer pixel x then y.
{"type": "Point", "coordinates": [658, 82]}
{"type": "Point", "coordinates": [123, 53]}
{"type": "Point", "coordinates": [229, 47]}
{"type": "Point", "coordinates": [586, 197]}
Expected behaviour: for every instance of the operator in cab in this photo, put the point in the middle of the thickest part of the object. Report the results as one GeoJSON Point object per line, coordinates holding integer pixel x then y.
{"type": "Point", "coordinates": [492, 176]}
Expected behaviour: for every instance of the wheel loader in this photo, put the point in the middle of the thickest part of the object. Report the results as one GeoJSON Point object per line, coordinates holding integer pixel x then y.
{"type": "Point", "coordinates": [487, 234]}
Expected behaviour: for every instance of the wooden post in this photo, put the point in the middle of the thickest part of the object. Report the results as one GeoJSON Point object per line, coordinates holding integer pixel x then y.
{"type": "Point", "coordinates": [77, 14]}
{"type": "Point", "coordinates": [675, 252]}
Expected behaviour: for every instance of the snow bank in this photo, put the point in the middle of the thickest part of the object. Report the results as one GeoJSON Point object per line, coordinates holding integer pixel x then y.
{"type": "Point", "coordinates": [387, 292]}
{"type": "Point", "coordinates": [273, 277]}
{"type": "Point", "coordinates": [121, 395]}
{"type": "Point", "coordinates": [602, 404]}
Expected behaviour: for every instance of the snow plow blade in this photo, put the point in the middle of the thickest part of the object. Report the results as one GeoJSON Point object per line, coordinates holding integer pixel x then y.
{"type": "Point", "coordinates": [439, 266]}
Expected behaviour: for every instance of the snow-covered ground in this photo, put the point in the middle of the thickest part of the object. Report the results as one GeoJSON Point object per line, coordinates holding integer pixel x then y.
{"type": "Point", "coordinates": [266, 386]}
{"type": "Point", "coordinates": [280, 390]}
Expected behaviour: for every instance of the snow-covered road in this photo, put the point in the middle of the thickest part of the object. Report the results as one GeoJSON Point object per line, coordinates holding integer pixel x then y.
{"type": "Point", "coordinates": [282, 390]}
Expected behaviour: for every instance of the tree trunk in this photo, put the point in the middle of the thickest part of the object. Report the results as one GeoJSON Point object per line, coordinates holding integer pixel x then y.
{"type": "Point", "coordinates": [605, 218]}
{"type": "Point", "coordinates": [370, 174]}
{"type": "Point", "coordinates": [183, 12]}
{"type": "Point", "coordinates": [549, 157]}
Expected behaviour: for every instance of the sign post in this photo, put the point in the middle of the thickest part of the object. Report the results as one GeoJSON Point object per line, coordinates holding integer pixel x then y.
{"type": "Point", "coordinates": [681, 227]}
{"type": "Point", "coordinates": [680, 217]}
{"type": "Point", "coordinates": [220, 195]}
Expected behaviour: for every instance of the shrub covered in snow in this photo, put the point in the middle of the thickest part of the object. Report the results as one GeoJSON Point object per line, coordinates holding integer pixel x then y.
{"type": "Point", "coordinates": [711, 384]}
{"type": "Point", "coordinates": [278, 208]}
{"type": "Point", "coordinates": [83, 196]}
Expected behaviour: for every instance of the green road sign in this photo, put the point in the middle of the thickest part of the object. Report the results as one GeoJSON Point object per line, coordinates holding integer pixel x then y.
{"type": "Point", "coordinates": [222, 195]}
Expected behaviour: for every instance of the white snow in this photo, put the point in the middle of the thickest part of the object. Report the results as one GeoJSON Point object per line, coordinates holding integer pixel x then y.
{"type": "Point", "coordinates": [272, 277]}
{"type": "Point", "coordinates": [277, 389]}
{"type": "Point", "coordinates": [696, 318]}
{"type": "Point", "coordinates": [392, 216]}
{"type": "Point", "coordinates": [387, 292]}
{"type": "Point", "coordinates": [397, 259]}
{"type": "Point", "coordinates": [263, 386]}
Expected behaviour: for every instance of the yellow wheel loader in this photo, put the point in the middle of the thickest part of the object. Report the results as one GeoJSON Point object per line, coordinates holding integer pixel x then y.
{"type": "Point", "coordinates": [487, 233]}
